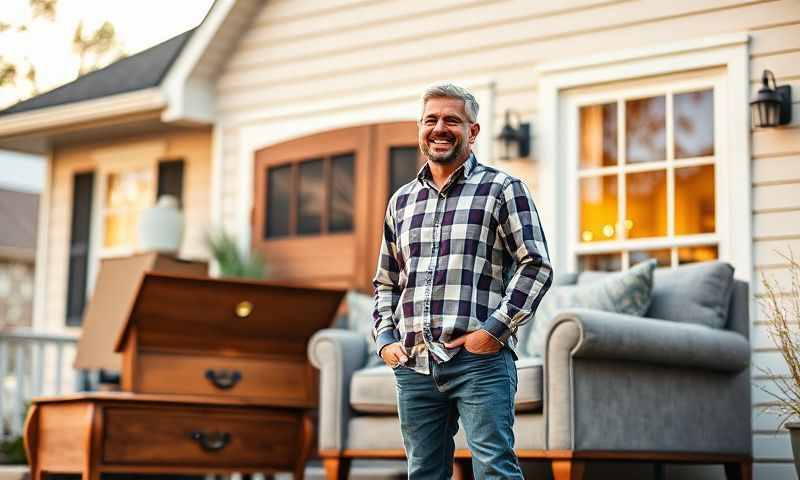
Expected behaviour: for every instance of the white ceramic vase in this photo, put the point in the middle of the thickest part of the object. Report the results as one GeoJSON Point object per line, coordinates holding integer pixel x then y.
{"type": "Point", "coordinates": [161, 226]}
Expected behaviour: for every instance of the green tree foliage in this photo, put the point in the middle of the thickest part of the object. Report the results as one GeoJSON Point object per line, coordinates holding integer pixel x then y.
{"type": "Point", "coordinates": [95, 48]}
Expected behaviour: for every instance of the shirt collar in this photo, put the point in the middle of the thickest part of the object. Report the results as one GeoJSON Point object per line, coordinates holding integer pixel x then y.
{"type": "Point", "coordinates": [467, 168]}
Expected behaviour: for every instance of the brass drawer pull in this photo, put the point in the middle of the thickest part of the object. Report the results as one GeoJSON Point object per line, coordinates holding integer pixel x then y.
{"type": "Point", "coordinates": [211, 442]}
{"type": "Point", "coordinates": [224, 379]}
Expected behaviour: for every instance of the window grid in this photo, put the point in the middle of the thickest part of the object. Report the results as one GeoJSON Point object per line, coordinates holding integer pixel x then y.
{"type": "Point", "coordinates": [294, 197]}
{"type": "Point", "coordinates": [623, 246]}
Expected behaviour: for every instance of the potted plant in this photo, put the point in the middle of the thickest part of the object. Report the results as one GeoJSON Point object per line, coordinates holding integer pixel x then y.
{"type": "Point", "coordinates": [232, 262]}
{"type": "Point", "coordinates": [782, 312]}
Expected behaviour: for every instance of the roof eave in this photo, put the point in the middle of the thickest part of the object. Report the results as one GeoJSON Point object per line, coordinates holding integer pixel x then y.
{"type": "Point", "coordinates": [45, 120]}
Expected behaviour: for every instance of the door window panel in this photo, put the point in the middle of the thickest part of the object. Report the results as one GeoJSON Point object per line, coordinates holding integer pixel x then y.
{"type": "Point", "coordinates": [342, 189]}
{"type": "Point", "coordinates": [402, 166]}
{"type": "Point", "coordinates": [279, 187]}
{"type": "Point", "coordinates": [311, 197]}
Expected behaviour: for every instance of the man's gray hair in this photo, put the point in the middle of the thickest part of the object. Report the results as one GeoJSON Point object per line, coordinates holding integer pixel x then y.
{"type": "Point", "coordinates": [448, 90]}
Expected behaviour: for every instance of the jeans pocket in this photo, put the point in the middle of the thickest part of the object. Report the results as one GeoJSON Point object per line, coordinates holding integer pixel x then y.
{"type": "Point", "coordinates": [479, 354]}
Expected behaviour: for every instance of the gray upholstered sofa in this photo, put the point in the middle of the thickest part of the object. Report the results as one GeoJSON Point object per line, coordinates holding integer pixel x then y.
{"type": "Point", "coordinates": [610, 387]}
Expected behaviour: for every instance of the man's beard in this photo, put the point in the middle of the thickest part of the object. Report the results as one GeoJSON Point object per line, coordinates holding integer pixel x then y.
{"type": "Point", "coordinates": [455, 152]}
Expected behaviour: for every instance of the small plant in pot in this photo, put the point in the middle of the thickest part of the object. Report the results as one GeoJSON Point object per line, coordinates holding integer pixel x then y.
{"type": "Point", "coordinates": [782, 313]}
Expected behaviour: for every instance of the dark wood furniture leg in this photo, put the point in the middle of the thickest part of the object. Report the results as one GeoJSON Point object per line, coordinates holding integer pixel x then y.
{"type": "Point", "coordinates": [567, 469]}
{"type": "Point", "coordinates": [462, 469]}
{"type": "Point", "coordinates": [337, 468]}
{"type": "Point", "coordinates": [739, 471]}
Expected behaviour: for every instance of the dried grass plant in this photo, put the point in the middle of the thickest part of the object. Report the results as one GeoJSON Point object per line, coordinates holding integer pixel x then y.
{"type": "Point", "coordinates": [782, 312]}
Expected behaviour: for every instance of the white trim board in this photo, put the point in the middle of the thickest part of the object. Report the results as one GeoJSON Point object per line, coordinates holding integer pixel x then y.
{"type": "Point", "coordinates": [727, 52]}
{"type": "Point", "coordinates": [149, 99]}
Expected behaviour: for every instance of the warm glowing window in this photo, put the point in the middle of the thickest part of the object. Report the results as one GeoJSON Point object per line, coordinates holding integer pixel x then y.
{"type": "Point", "coordinates": [127, 194]}
{"type": "Point", "coordinates": [646, 180]}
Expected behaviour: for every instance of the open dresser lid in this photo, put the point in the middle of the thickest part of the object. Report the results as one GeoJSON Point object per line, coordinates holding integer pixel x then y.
{"type": "Point", "coordinates": [234, 315]}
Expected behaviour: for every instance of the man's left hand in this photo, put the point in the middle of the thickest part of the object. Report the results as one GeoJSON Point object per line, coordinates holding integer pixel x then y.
{"type": "Point", "coordinates": [479, 341]}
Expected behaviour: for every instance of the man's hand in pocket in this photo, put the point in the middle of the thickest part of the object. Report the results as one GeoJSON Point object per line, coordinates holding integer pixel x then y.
{"type": "Point", "coordinates": [479, 341]}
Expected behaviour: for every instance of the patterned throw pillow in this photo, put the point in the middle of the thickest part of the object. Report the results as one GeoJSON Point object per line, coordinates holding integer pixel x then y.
{"type": "Point", "coordinates": [359, 319]}
{"type": "Point", "coordinates": [622, 292]}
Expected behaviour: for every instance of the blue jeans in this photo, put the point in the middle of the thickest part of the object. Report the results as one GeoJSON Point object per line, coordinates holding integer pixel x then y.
{"type": "Point", "coordinates": [478, 388]}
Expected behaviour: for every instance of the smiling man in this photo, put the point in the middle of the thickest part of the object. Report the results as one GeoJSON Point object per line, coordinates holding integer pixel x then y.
{"type": "Point", "coordinates": [463, 264]}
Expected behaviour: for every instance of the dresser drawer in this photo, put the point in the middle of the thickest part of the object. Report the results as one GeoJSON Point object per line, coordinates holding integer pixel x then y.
{"type": "Point", "coordinates": [201, 436]}
{"type": "Point", "coordinates": [267, 380]}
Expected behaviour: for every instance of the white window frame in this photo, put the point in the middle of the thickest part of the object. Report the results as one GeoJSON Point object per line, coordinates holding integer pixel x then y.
{"type": "Point", "coordinates": [150, 171]}
{"type": "Point", "coordinates": [114, 159]}
{"type": "Point", "coordinates": [618, 94]}
{"type": "Point", "coordinates": [727, 54]}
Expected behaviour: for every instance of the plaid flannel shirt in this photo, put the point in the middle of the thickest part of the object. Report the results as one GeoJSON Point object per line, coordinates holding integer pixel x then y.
{"type": "Point", "coordinates": [471, 256]}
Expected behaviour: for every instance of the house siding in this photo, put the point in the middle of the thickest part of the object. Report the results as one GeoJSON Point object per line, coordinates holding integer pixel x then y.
{"type": "Point", "coordinates": [194, 146]}
{"type": "Point", "coordinates": [297, 57]}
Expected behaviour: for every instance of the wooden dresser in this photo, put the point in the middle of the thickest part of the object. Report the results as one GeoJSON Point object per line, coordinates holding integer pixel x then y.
{"type": "Point", "coordinates": [215, 378]}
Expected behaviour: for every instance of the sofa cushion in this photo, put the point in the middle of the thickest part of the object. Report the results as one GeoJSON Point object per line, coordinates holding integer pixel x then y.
{"type": "Point", "coordinates": [621, 292]}
{"type": "Point", "coordinates": [359, 319]}
{"type": "Point", "coordinates": [694, 293]}
{"type": "Point", "coordinates": [372, 390]}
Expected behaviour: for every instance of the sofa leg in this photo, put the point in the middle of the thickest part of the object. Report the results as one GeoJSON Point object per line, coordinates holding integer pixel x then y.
{"type": "Point", "coordinates": [739, 471]}
{"type": "Point", "coordinates": [336, 468]}
{"type": "Point", "coordinates": [462, 469]}
{"type": "Point", "coordinates": [567, 469]}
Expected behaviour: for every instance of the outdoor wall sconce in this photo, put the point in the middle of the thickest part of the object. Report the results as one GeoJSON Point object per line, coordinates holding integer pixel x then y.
{"type": "Point", "coordinates": [772, 106]}
{"type": "Point", "coordinates": [519, 136]}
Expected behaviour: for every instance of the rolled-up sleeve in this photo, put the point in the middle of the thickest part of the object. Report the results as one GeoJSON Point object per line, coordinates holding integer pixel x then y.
{"type": "Point", "coordinates": [520, 228]}
{"type": "Point", "coordinates": [387, 289]}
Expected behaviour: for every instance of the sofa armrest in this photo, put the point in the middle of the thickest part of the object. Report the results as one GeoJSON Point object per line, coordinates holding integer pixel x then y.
{"type": "Point", "coordinates": [616, 336]}
{"type": "Point", "coordinates": [337, 354]}
{"type": "Point", "coordinates": [619, 382]}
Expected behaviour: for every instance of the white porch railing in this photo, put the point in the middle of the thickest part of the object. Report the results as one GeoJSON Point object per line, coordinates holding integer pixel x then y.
{"type": "Point", "coordinates": [32, 364]}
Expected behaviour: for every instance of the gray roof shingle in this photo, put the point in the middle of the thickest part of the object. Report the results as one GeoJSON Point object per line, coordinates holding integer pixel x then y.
{"type": "Point", "coordinates": [143, 70]}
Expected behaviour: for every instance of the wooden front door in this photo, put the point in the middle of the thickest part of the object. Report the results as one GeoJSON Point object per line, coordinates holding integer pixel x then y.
{"type": "Point", "coordinates": [320, 202]}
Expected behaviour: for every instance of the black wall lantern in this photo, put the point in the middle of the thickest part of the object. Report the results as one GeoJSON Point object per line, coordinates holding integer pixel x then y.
{"type": "Point", "coordinates": [519, 136]}
{"type": "Point", "coordinates": [772, 106]}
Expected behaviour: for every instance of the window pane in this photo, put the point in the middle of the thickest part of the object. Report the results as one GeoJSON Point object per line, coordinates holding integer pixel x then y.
{"type": "Point", "coordinates": [599, 135]}
{"type": "Point", "coordinates": [694, 200]}
{"type": "Point", "coordinates": [697, 254]}
{"type": "Point", "coordinates": [646, 204]}
{"type": "Point", "coordinates": [645, 130]}
{"type": "Point", "coordinates": [598, 210]}
{"type": "Point", "coordinates": [127, 194]}
{"type": "Point", "coordinates": [402, 166]}
{"type": "Point", "coordinates": [694, 124]}
{"type": "Point", "coordinates": [121, 229]}
{"type": "Point", "coordinates": [311, 197]}
{"type": "Point", "coordinates": [279, 187]}
{"type": "Point", "coordinates": [662, 256]}
{"type": "Point", "coordinates": [342, 187]}
{"type": "Point", "coordinates": [607, 262]}
{"type": "Point", "coordinates": [132, 190]}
